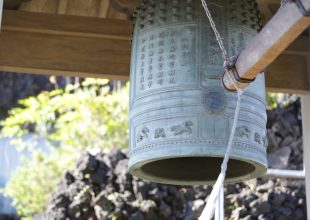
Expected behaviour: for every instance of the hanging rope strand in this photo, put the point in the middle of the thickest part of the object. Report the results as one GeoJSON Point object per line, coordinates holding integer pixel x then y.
{"type": "Point", "coordinates": [283, 2]}
{"type": "Point", "coordinates": [216, 32]}
{"type": "Point", "coordinates": [209, 209]}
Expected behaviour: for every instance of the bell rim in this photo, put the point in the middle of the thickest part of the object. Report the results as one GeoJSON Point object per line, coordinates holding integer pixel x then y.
{"type": "Point", "coordinates": [135, 168]}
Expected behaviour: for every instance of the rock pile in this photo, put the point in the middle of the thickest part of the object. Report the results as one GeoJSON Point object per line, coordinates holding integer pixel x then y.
{"type": "Point", "coordinates": [266, 199]}
{"type": "Point", "coordinates": [101, 188]}
{"type": "Point", "coordinates": [8, 217]}
{"type": "Point", "coordinates": [285, 149]}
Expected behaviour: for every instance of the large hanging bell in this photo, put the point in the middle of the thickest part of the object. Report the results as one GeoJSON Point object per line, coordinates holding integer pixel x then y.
{"type": "Point", "coordinates": [180, 113]}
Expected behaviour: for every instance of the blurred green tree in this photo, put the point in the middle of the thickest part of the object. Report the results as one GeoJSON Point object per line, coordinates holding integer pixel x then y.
{"type": "Point", "coordinates": [80, 117]}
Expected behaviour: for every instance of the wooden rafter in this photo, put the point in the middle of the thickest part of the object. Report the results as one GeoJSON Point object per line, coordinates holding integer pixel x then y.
{"type": "Point", "coordinates": [12, 4]}
{"type": "Point", "coordinates": [119, 9]}
{"type": "Point", "coordinates": [124, 6]}
{"type": "Point", "coordinates": [265, 10]}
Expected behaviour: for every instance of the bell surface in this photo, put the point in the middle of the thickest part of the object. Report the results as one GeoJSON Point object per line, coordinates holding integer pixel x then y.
{"type": "Point", "coordinates": [180, 114]}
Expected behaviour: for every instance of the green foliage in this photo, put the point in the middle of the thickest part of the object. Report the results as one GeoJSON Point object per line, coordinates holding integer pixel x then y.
{"type": "Point", "coordinates": [280, 99]}
{"type": "Point", "coordinates": [31, 185]}
{"type": "Point", "coordinates": [272, 100]}
{"type": "Point", "coordinates": [73, 119]}
{"type": "Point", "coordinates": [87, 116]}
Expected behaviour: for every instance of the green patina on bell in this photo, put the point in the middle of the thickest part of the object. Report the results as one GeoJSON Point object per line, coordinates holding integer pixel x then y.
{"type": "Point", "coordinates": [180, 113]}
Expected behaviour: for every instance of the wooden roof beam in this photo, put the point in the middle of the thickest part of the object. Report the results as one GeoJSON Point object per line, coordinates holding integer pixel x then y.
{"type": "Point", "coordinates": [66, 25]}
{"type": "Point", "coordinates": [65, 45]}
{"type": "Point", "coordinates": [92, 47]}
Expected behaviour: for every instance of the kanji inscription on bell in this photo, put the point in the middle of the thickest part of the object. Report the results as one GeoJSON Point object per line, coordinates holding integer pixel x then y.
{"type": "Point", "coordinates": [165, 56]}
{"type": "Point", "coordinates": [180, 114]}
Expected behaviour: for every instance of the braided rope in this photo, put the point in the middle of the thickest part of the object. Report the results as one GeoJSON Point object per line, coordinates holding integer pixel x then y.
{"type": "Point", "coordinates": [216, 32]}
{"type": "Point", "coordinates": [209, 209]}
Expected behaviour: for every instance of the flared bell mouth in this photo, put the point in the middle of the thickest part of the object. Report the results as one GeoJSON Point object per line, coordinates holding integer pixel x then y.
{"type": "Point", "coordinates": [195, 170]}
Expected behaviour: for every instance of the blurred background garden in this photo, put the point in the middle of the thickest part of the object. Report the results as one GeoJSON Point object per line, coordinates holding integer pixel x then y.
{"type": "Point", "coordinates": [64, 156]}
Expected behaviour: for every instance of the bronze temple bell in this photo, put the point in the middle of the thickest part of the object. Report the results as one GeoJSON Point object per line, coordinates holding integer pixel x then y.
{"type": "Point", "coordinates": [180, 113]}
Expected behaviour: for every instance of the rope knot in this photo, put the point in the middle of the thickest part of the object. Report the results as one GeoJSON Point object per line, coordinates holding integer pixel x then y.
{"type": "Point", "coordinates": [229, 70]}
{"type": "Point", "coordinates": [239, 92]}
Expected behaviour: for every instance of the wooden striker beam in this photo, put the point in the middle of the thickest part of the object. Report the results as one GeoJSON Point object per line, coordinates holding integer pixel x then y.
{"type": "Point", "coordinates": [288, 23]}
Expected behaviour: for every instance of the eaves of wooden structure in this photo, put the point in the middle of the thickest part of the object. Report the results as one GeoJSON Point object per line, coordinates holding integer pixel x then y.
{"type": "Point", "coordinates": [91, 38]}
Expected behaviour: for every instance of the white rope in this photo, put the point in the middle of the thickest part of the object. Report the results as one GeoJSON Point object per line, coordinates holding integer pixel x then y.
{"type": "Point", "coordinates": [209, 209]}
{"type": "Point", "coordinates": [283, 2]}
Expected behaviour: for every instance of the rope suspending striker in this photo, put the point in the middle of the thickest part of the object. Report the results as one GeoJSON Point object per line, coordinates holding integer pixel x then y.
{"type": "Point", "coordinates": [208, 211]}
